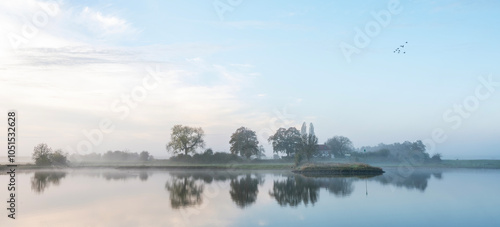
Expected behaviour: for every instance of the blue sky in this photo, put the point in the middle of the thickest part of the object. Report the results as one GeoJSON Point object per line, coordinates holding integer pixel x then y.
{"type": "Point", "coordinates": [260, 64]}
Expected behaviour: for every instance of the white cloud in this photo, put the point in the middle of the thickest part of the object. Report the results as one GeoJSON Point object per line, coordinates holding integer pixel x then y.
{"type": "Point", "coordinates": [98, 22]}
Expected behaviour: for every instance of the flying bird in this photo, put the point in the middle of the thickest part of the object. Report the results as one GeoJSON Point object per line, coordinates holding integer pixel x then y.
{"type": "Point", "coordinates": [400, 48]}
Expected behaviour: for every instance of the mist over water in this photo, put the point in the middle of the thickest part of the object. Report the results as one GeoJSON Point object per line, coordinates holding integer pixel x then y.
{"type": "Point", "coordinates": [422, 197]}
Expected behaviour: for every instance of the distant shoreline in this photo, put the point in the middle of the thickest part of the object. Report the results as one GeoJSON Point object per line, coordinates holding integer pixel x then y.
{"type": "Point", "coordinates": [260, 165]}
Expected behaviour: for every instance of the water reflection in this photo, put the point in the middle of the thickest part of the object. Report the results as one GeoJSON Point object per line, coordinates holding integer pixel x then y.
{"type": "Point", "coordinates": [186, 188]}
{"type": "Point", "coordinates": [295, 190]}
{"type": "Point", "coordinates": [244, 191]}
{"type": "Point", "coordinates": [412, 180]}
{"type": "Point", "coordinates": [123, 176]}
{"type": "Point", "coordinates": [184, 192]}
{"type": "Point", "coordinates": [41, 180]}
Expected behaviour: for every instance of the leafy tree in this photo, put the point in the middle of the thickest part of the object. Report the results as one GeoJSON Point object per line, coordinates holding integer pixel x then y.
{"type": "Point", "coordinates": [340, 145]}
{"type": "Point", "coordinates": [44, 156]}
{"type": "Point", "coordinates": [244, 142]}
{"type": "Point", "coordinates": [436, 157]}
{"type": "Point", "coordinates": [303, 129]}
{"type": "Point", "coordinates": [311, 129]}
{"type": "Point", "coordinates": [185, 139]}
{"type": "Point", "coordinates": [58, 158]}
{"type": "Point", "coordinates": [208, 152]}
{"type": "Point", "coordinates": [261, 153]}
{"type": "Point", "coordinates": [309, 145]}
{"type": "Point", "coordinates": [414, 151]}
{"type": "Point", "coordinates": [286, 140]}
{"type": "Point", "coordinates": [145, 156]}
{"type": "Point", "coordinates": [41, 154]}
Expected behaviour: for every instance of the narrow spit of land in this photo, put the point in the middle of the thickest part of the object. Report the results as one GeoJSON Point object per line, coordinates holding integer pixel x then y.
{"type": "Point", "coordinates": [340, 169]}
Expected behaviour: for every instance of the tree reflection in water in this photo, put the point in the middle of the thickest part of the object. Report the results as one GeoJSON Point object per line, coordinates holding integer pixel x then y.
{"type": "Point", "coordinates": [41, 180]}
{"type": "Point", "coordinates": [186, 188]}
{"type": "Point", "coordinates": [416, 179]}
{"type": "Point", "coordinates": [184, 192]}
{"type": "Point", "coordinates": [244, 191]}
{"type": "Point", "coordinates": [295, 190]}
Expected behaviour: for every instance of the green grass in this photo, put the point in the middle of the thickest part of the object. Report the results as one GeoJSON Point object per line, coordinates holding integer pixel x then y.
{"type": "Point", "coordinates": [270, 165]}
{"type": "Point", "coordinates": [338, 169]}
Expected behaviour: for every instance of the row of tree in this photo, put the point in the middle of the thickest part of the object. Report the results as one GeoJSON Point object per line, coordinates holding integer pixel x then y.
{"type": "Point", "coordinates": [244, 142]}
{"type": "Point", "coordinates": [43, 155]}
{"type": "Point", "coordinates": [113, 156]}
{"type": "Point", "coordinates": [299, 145]}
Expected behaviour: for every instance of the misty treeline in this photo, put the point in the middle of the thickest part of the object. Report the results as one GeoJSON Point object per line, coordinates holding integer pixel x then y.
{"type": "Point", "coordinates": [113, 156]}
{"type": "Point", "coordinates": [292, 144]}
{"type": "Point", "coordinates": [43, 155]}
{"type": "Point", "coordinates": [185, 140]}
{"type": "Point", "coordinates": [208, 156]}
{"type": "Point", "coordinates": [396, 152]}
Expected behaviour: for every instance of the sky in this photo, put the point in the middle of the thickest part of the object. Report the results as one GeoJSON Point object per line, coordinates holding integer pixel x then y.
{"type": "Point", "coordinates": [95, 76]}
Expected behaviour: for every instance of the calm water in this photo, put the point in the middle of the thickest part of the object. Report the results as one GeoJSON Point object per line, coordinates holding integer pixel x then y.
{"type": "Point", "coordinates": [106, 197]}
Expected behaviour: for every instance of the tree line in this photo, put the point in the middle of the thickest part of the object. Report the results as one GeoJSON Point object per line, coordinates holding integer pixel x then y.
{"type": "Point", "coordinates": [43, 155]}
{"type": "Point", "coordinates": [296, 145]}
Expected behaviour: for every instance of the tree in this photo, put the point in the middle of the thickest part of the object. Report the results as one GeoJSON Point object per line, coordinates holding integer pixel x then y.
{"type": "Point", "coordinates": [311, 129]}
{"type": "Point", "coordinates": [208, 152]}
{"type": "Point", "coordinates": [244, 142]}
{"type": "Point", "coordinates": [339, 145]}
{"type": "Point", "coordinates": [309, 145]}
{"type": "Point", "coordinates": [286, 140]}
{"type": "Point", "coordinates": [145, 156]}
{"type": "Point", "coordinates": [303, 129]}
{"type": "Point", "coordinates": [58, 158]}
{"type": "Point", "coordinates": [261, 153]}
{"type": "Point", "coordinates": [185, 139]}
{"type": "Point", "coordinates": [41, 154]}
{"type": "Point", "coordinates": [436, 157]}
{"type": "Point", "coordinates": [44, 156]}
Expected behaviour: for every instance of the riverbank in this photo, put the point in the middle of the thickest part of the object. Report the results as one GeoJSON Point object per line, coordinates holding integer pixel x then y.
{"type": "Point", "coordinates": [261, 165]}
{"type": "Point", "coordinates": [338, 169]}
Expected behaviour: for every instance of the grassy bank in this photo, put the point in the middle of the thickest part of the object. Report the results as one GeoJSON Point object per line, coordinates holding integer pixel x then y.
{"type": "Point", "coordinates": [319, 169]}
{"type": "Point", "coordinates": [261, 165]}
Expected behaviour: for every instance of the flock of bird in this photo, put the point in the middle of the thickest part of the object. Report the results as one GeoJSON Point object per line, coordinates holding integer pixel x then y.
{"type": "Point", "coordinates": [400, 48]}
